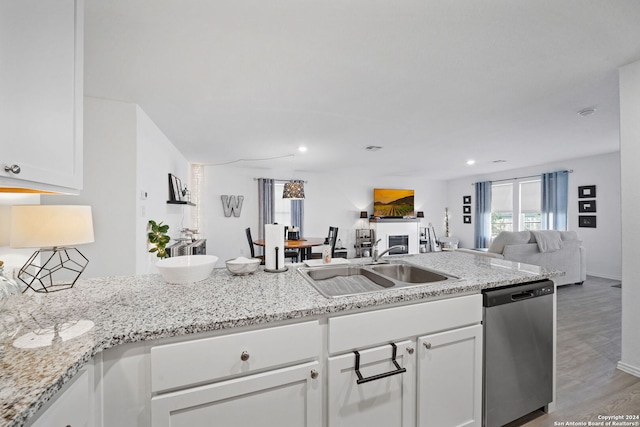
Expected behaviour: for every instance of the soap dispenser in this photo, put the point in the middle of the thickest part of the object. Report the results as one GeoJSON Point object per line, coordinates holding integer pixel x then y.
{"type": "Point", "coordinates": [326, 251]}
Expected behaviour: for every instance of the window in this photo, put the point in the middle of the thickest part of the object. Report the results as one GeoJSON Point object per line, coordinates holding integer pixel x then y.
{"type": "Point", "coordinates": [530, 214]}
{"type": "Point", "coordinates": [515, 206]}
{"type": "Point", "coordinates": [501, 208]}
{"type": "Point", "coordinates": [281, 207]}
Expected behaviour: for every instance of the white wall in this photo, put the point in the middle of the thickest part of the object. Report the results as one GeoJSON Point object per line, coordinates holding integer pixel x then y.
{"type": "Point", "coordinates": [331, 200]}
{"type": "Point", "coordinates": [630, 153]}
{"type": "Point", "coordinates": [109, 177]}
{"type": "Point", "coordinates": [602, 243]}
{"type": "Point", "coordinates": [156, 158]}
{"type": "Point", "coordinates": [123, 153]}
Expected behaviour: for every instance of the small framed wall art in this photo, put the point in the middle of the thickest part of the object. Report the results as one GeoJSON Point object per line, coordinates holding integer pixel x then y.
{"type": "Point", "coordinates": [175, 188]}
{"type": "Point", "coordinates": [466, 209]}
{"type": "Point", "coordinates": [466, 200]}
{"type": "Point", "coordinates": [466, 219]}
{"type": "Point", "coordinates": [586, 206]}
{"type": "Point", "coordinates": [588, 221]}
{"type": "Point", "coordinates": [586, 191]}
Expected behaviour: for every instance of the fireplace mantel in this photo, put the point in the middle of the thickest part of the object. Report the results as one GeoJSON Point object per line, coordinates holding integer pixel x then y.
{"type": "Point", "coordinates": [385, 227]}
{"type": "Point", "coordinates": [385, 220]}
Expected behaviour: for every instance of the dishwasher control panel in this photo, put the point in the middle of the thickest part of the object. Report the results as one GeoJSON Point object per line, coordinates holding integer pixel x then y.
{"type": "Point", "coordinates": [494, 297]}
{"type": "Point", "coordinates": [543, 291]}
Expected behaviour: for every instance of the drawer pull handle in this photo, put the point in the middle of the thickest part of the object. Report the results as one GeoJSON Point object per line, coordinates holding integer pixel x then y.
{"type": "Point", "coordinates": [410, 350]}
{"type": "Point", "coordinates": [398, 369]}
{"type": "Point", "coordinates": [15, 169]}
{"type": "Point", "coordinates": [427, 345]}
{"type": "Point", "coordinates": [244, 356]}
{"type": "Point", "coordinates": [314, 374]}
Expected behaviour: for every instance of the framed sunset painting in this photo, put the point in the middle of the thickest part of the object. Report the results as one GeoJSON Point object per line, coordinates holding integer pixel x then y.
{"type": "Point", "coordinates": [392, 203]}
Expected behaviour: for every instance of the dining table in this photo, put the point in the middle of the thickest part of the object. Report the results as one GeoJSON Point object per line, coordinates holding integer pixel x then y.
{"type": "Point", "coordinates": [303, 244]}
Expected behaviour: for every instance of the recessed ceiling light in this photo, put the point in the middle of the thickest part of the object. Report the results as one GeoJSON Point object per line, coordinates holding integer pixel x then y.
{"type": "Point", "coordinates": [586, 112]}
{"type": "Point", "coordinates": [302, 149]}
{"type": "Point", "coordinates": [471, 162]}
{"type": "Point", "coordinates": [499, 161]}
{"type": "Point", "coordinates": [372, 147]}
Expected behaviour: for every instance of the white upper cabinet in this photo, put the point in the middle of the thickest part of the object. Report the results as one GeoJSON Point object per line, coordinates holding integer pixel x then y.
{"type": "Point", "coordinates": [41, 90]}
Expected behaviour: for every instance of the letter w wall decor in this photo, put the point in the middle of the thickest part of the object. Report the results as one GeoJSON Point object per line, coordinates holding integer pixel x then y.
{"type": "Point", "coordinates": [232, 204]}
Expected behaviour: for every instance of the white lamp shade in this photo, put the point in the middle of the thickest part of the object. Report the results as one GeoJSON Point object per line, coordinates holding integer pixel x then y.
{"type": "Point", "coordinates": [46, 226]}
{"type": "Point", "coordinates": [5, 225]}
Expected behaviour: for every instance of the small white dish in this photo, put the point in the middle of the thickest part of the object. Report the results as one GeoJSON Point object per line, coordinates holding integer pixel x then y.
{"type": "Point", "coordinates": [241, 265]}
{"type": "Point", "coordinates": [187, 268]}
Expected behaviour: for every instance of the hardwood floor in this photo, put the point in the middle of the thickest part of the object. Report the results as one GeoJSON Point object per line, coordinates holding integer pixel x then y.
{"type": "Point", "coordinates": [588, 349]}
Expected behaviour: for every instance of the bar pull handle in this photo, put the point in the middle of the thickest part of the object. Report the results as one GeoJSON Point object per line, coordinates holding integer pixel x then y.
{"type": "Point", "coordinates": [398, 369]}
{"type": "Point", "coordinates": [522, 295]}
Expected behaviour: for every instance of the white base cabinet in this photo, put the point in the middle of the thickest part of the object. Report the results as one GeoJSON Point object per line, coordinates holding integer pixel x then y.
{"type": "Point", "coordinates": [71, 407]}
{"type": "Point", "coordinates": [386, 401]}
{"type": "Point", "coordinates": [449, 389]}
{"type": "Point", "coordinates": [288, 397]}
{"type": "Point", "coordinates": [442, 354]}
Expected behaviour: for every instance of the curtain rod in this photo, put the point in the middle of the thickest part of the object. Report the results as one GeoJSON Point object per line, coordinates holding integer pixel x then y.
{"type": "Point", "coordinates": [521, 177]}
{"type": "Point", "coordinates": [282, 180]}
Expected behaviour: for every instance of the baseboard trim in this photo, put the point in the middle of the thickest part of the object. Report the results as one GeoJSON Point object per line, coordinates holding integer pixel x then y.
{"type": "Point", "coordinates": [629, 369]}
{"type": "Point", "coordinates": [605, 276]}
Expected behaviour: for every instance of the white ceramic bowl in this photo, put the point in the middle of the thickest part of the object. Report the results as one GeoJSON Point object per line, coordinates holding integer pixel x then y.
{"type": "Point", "coordinates": [187, 268]}
{"type": "Point", "coordinates": [242, 265]}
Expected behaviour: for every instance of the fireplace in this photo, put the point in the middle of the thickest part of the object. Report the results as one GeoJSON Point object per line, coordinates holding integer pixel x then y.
{"type": "Point", "coordinates": [401, 231]}
{"type": "Point", "coordinates": [400, 239]}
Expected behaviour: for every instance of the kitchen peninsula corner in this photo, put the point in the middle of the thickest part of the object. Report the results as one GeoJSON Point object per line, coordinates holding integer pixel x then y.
{"type": "Point", "coordinates": [180, 347]}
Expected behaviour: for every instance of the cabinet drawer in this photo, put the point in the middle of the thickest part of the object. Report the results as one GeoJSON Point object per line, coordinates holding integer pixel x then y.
{"type": "Point", "coordinates": [375, 327]}
{"type": "Point", "coordinates": [204, 360]}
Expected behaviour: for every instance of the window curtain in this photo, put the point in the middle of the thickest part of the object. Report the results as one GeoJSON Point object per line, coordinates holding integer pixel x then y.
{"type": "Point", "coordinates": [265, 204]}
{"type": "Point", "coordinates": [482, 226]}
{"type": "Point", "coordinates": [555, 189]}
{"type": "Point", "coordinates": [297, 213]}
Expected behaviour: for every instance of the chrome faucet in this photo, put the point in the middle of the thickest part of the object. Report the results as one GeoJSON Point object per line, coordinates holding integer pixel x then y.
{"type": "Point", "coordinates": [376, 255]}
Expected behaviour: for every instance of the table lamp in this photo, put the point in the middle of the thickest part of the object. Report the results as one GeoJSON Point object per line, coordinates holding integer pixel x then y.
{"type": "Point", "coordinates": [54, 230]}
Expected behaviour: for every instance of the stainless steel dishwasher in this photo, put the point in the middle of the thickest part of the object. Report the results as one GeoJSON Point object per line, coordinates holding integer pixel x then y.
{"type": "Point", "coordinates": [518, 351]}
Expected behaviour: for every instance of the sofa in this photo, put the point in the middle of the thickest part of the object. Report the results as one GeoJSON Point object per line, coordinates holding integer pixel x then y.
{"type": "Point", "coordinates": [558, 250]}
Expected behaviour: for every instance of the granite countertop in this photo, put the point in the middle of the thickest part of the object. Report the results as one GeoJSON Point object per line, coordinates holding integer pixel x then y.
{"type": "Point", "coordinates": [98, 314]}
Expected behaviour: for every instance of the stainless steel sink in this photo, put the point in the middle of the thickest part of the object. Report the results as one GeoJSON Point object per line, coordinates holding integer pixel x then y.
{"type": "Point", "coordinates": [408, 273]}
{"type": "Point", "coordinates": [335, 281]}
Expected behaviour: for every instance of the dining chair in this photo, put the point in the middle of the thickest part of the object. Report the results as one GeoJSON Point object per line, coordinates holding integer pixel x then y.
{"type": "Point", "coordinates": [293, 254]}
{"type": "Point", "coordinates": [333, 238]}
{"type": "Point", "coordinates": [251, 249]}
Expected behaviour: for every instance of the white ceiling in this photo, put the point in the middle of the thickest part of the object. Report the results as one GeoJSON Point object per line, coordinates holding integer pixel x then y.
{"type": "Point", "coordinates": [434, 82]}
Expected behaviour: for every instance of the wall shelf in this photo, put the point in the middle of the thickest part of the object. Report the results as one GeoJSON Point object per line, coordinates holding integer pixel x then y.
{"type": "Point", "coordinates": [176, 202]}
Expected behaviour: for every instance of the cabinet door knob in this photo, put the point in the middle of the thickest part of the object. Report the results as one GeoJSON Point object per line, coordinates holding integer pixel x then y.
{"type": "Point", "coordinates": [15, 169]}
{"type": "Point", "coordinates": [244, 356]}
{"type": "Point", "coordinates": [427, 345]}
{"type": "Point", "coordinates": [410, 350]}
{"type": "Point", "coordinates": [314, 374]}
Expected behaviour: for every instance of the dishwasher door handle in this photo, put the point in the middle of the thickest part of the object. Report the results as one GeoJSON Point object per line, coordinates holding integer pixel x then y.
{"type": "Point", "coordinates": [522, 295]}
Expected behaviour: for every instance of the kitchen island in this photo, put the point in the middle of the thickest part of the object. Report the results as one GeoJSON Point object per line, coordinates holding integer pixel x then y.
{"type": "Point", "coordinates": [111, 312]}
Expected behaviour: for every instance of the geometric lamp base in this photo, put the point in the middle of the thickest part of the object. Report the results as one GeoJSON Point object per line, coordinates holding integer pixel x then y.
{"type": "Point", "coordinates": [60, 269]}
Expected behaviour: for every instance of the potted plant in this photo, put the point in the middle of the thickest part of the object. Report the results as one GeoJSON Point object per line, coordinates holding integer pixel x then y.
{"type": "Point", "coordinates": [158, 238]}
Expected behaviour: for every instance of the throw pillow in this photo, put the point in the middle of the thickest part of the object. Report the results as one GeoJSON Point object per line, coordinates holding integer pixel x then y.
{"type": "Point", "coordinates": [509, 238]}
